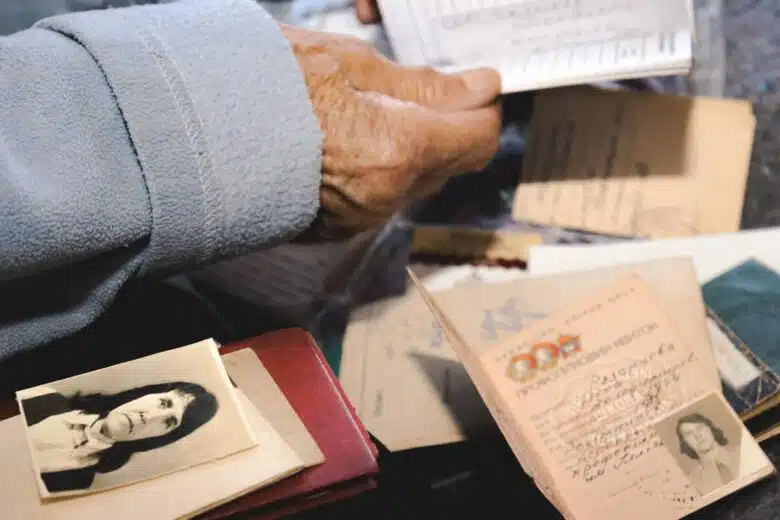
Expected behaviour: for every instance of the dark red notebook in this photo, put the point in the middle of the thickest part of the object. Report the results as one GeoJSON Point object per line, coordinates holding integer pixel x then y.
{"type": "Point", "coordinates": [297, 364]}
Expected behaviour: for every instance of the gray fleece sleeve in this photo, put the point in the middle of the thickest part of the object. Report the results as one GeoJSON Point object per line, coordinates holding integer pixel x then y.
{"type": "Point", "coordinates": [143, 141]}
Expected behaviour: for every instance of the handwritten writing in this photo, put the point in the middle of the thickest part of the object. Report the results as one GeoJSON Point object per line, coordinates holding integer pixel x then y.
{"type": "Point", "coordinates": [610, 427]}
{"type": "Point", "coordinates": [658, 484]}
{"type": "Point", "coordinates": [680, 495]}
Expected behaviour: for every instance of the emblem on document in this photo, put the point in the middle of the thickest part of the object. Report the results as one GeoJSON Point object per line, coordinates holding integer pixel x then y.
{"type": "Point", "coordinates": [542, 356]}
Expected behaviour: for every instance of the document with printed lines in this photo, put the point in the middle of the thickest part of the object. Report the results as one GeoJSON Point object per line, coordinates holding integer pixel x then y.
{"type": "Point", "coordinates": [538, 44]}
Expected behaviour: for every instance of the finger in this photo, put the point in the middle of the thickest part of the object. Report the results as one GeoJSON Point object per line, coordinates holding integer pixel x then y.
{"type": "Point", "coordinates": [427, 86]}
{"type": "Point", "coordinates": [367, 11]}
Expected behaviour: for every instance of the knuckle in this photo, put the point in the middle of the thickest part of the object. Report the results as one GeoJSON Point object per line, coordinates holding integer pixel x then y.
{"type": "Point", "coordinates": [397, 153]}
{"type": "Point", "coordinates": [393, 179]}
{"type": "Point", "coordinates": [429, 149]}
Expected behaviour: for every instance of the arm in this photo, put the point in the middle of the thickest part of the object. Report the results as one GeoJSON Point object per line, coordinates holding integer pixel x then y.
{"type": "Point", "coordinates": [143, 141]}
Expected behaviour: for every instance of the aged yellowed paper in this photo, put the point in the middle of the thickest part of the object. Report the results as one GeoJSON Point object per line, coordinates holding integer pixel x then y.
{"type": "Point", "coordinates": [496, 312]}
{"type": "Point", "coordinates": [407, 383]}
{"type": "Point", "coordinates": [636, 164]}
{"type": "Point", "coordinates": [611, 411]}
{"type": "Point", "coordinates": [186, 493]}
{"type": "Point", "coordinates": [133, 421]}
{"type": "Point", "coordinates": [403, 378]}
{"type": "Point", "coordinates": [250, 375]}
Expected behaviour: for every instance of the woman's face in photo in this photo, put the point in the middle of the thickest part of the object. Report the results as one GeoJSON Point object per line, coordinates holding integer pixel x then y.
{"type": "Point", "coordinates": [152, 415]}
{"type": "Point", "coordinates": [698, 436]}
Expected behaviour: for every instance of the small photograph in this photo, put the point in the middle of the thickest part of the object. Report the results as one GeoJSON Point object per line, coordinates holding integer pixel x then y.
{"type": "Point", "coordinates": [133, 421]}
{"type": "Point", "coordinates": [705, 438]}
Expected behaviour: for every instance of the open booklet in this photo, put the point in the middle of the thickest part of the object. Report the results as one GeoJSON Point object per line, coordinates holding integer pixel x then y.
{"type": "Point", "coordinates": [406, 381]}
{"type": "Point", "coordinates": [609, 410]}
{"type": "Point", "coordinates": [538, 44]}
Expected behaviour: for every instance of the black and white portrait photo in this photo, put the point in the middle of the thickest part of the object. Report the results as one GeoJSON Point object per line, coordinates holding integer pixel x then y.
{"type": "Point", "coordinates": [705, 438]}
{"type": "Point", "coordinates": [707, 446]}
{"type": "Point", "coordinates": [133, 421]}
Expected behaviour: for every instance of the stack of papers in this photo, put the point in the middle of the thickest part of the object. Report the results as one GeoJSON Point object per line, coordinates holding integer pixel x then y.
{"type": "Point", "coordinates": [539, 44]}
{"type": "Point", "coordinates": [119, 439]}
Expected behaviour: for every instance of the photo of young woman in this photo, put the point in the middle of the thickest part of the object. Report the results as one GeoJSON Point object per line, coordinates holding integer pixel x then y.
{"type": "Point", "coordinates": [133, 421]}
{"type": "Point", "coordinates": [75, 437]}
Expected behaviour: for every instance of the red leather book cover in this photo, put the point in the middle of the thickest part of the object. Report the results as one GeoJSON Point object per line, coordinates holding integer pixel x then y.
{"type": "Point", "coordinates": [298, 366]}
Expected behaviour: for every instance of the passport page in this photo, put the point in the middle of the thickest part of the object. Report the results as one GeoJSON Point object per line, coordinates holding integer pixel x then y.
{"type": "Point", "coordinates": [603, 402]}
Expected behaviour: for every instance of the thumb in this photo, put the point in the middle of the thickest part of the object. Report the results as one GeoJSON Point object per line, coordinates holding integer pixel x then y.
{"type": "Point", "coordinates": [457, 142]}
{"type": "Point", "coordinates": [428, 87]}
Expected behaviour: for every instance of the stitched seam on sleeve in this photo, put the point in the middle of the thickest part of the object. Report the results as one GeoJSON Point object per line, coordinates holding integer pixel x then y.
{"type": "Point", "coordinates": [193, 124]}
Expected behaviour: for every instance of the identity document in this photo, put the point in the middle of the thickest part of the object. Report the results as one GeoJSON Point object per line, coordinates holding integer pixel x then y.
{"type": "Point", "coordinates": [610, 412]}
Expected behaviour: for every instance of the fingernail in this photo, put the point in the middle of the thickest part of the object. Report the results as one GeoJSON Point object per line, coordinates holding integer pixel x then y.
{"type": "Point", "coordinates": [481, 79]}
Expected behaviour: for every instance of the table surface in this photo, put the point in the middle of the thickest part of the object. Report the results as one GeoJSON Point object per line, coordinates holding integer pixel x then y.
{"type": "Point", "coordinates": [753, 67]}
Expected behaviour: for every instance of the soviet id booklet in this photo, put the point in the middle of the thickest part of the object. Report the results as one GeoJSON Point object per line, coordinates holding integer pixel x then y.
{"type": "Point", "coordinates": [610, 412]}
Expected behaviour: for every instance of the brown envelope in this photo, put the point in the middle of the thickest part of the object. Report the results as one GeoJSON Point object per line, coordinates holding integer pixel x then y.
{"type": "Point", "coordinates": [636, 164]}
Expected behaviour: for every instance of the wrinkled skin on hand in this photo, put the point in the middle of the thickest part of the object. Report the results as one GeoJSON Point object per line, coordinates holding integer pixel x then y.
{"type": "Point", "coordinates": [392, 134]}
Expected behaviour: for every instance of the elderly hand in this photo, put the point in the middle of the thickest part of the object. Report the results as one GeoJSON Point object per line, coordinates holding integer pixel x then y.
{"type": "Point", "coordinates": [392, 134]}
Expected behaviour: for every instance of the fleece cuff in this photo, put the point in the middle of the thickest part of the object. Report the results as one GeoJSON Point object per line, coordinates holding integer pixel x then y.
{"type": "Point", "coordinates": [219, 115]}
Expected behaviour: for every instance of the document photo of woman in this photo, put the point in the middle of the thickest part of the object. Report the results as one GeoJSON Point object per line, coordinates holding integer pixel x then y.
{"type": "Point", "coordinates": [75, 437]}
{"type": "Point", "coordinates": [708, 446]}
{"type": "Point", "coordinates": [707, 439]}
{"type": "Point", "coordinates": [85, 438]}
